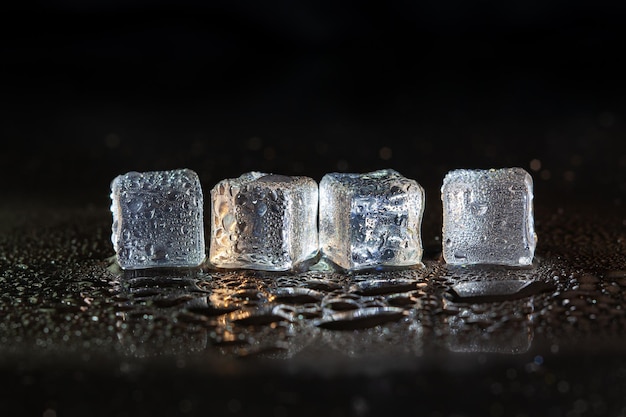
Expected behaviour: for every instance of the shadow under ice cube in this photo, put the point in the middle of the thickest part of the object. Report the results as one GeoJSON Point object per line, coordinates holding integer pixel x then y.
{"type": "Point", "coordinates": [488, 217]}
{"type": "Point", "coordinates": [264, 222]}
{"type": "Point", "coordinates": [158, 219]}
{"type": "Point", "coordinates": [371, 219]}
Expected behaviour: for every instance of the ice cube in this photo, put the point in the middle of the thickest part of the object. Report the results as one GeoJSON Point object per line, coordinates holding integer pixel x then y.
{"type": "Point", "coordinates": [488, 217]}
{"type": "Point", "coordinates": [158, 219]}
{"type": "Point", "coordinates": [264, 222]}
{"type": "Point", "coordinates": [371, 219]}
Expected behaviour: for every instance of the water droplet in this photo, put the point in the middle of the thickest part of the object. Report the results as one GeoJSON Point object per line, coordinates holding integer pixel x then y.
{"type": "Point", "coordinates": [478, 209]}
{"type": "Point", "coordinates": [293, 295]}
{"type": "Point", "coordinates": [261, 208]}
{"type": "Point", "coordinates": [383, 286]}
{"type": "Point", "coordinates": [135, 205]}
{"type": "Point", "coordinates": [360, 319]}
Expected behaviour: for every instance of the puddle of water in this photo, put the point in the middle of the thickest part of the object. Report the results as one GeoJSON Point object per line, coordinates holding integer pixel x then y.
{"type": "Point", "coordinates": [494, 291]}
{"type": "Point", "coordinates": [362, 318]}
{"type": "Point", "coordinates": [210, 310]}
{"type": "Point", "coordinates": [295, 295]}
{"type": "Point", "coordinates": [383, 286]}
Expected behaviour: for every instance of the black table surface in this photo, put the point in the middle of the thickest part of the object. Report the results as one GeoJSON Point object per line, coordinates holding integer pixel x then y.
{"type": "Point", "coordinates": [80, 336]}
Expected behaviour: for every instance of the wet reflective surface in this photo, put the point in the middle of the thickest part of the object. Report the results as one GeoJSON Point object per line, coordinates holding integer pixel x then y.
{"type": "Point", "coordinates": [77, 332]}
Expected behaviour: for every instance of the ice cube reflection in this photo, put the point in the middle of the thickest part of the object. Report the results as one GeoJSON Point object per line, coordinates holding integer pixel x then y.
{"type": "Point", "coordinates": [232, 314]}
{"type": "Point", "coordinates": [284, 315]}
{"type": "Point", "coordinates": [489, 317]}
{"type": "Point", "coordinates": [501, 327]}
{"type": "Point", "coordinates": [151, 314]}
{"type": "Point", "coordinates": [490, 308]}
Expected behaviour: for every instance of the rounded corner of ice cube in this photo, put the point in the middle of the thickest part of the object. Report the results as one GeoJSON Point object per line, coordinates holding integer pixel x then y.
{"type": "Point", "coordinates": [123, 264]}
{"type": "Point", "coordinates": [191, 175]}
{"type": "Point", "coordinates": [311, 181]}
{"type": "Point", "coordinates": [307, 183]}
{"type": "Point", "coordinates": [455, 173]}
{"type": "Point", "coordinates": [418, 186]}
{"type": "Point", "coordinates": [519, 170]}
{"type": "Point", "coordinates": [215, 189]}
{"type": "Point", "coordinates": [188, 171]}
{"type": "Point", "coordinates": [448, 179]}
{"type": "Point", "coordinates": [129, 175]}
{"type": "Point", "coordinates": [113, 185]}
{"type": "Point", "coordinates": [328, 178]}
{"type": "Point", "coordinates": [529, 181]}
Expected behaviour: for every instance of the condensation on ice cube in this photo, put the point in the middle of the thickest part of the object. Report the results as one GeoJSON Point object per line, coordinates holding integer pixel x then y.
{"type": "Point", "coordinates": [371, 219]}
{"type": "Point", "coordinates": [158, 219]}
{"type": "Point", "coordinates": [263, 221]}
{"type": "Point", "coordinates": [488, 217]}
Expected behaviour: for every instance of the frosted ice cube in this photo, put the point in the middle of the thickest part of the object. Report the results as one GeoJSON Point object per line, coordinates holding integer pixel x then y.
{"type": "Point", "coordinates": [158, 219]}
{"type": "Point", "coordinates": [371, 219]}
{"type": "Point", "coordinates": [488, 217]}
{"type": "Point", "coordinates": [264, 222]}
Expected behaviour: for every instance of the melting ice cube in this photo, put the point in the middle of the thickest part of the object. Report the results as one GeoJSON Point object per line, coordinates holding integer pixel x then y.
{"type": "Point", "coordinates": [488, 217]}
{"type": "Point", "coordinates": [264, 222]}
{"type": "Point", "coordinates": [158, 219]}
{"type": "Point", "coordinates": [371, 219]}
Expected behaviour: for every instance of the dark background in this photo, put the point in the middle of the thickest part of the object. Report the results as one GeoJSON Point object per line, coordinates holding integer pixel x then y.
{"type": "Point", "coordinates": [305, 88]}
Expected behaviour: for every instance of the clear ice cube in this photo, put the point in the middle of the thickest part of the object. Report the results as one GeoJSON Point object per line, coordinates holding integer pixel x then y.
{"type": "Point", "coordinates": [264, 222]}
{"type": "Point", "coordinates": [371, 219]}
{"type": "Point", "coordinates": [158, 219]}
{"type": "Point", "coordinates": [488, 217]}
